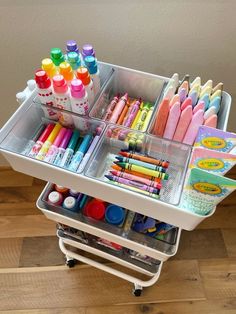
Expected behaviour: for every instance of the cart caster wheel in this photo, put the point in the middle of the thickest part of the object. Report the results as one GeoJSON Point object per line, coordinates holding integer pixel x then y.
{"type": "Point", "coordinates": [137, 292]}
{"type": "Point", "coordinates": [70, 263]}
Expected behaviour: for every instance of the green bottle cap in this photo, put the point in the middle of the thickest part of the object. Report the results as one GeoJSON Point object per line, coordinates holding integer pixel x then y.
{"type": "Point", "coordinates": [57, 56]}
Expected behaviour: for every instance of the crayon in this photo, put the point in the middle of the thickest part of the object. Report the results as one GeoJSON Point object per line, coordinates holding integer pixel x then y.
{"type": "Point", "coordinates": [143, 170]}
{"type": "Point", "coordinates": [140, 163]}
{"type": "Point", "coordinates": [158, 162]}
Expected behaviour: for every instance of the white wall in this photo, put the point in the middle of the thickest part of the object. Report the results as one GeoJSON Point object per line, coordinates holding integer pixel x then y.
{"type": "Point", "coordinates": [158, 36]}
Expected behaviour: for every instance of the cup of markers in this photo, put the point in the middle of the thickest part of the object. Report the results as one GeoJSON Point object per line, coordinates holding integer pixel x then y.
{"type": "Point", "coordinates": [139, 173]}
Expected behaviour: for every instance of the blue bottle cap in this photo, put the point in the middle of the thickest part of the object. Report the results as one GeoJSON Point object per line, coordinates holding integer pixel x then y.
{"type": "Point", "coordinates": [114, 214]}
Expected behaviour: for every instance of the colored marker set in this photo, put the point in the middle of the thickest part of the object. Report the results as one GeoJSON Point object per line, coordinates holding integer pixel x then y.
{"type": "Point", "coordinates": [185, 107]}
{"type": "Point", "coordinates": [61, 146]}
{"type": "Point", "coordinates": [139, 173]}
{"type": "Point", "coordinates": [68, 81]}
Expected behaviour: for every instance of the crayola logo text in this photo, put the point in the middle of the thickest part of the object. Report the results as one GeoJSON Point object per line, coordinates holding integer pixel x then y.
{"type": "Point", "coordinates": [207, 188]}
{"type": "Point", "coordinates": [213, 142]}
{"type": "Point", "coordinates": [210, 164]}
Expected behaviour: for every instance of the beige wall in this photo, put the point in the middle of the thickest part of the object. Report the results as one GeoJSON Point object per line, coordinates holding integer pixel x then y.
{"type": "Point", "coordinates": [158, 36]}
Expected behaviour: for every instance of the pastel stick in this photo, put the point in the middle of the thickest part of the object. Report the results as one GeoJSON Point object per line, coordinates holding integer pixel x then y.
{"type": "Point", "coordinates": [200, 106]}
{"type": "Point", "coordinates": [185, 78]}
{"type": "Point", "coordinates": [186, 103]}
{"type": "Point", "coordinates": [184, 85]}
{"type": "Point", "coordinates": [174, 99]}
{"type": "Point", "coordinates": [194, 125]}
{"type": "Point", "coordinates": [194, 97]}
{"type": "Point", "coordinates": [182, 94]}
{"type": "Point", "coordinates": [174, 81]}
{"type": "Point", "coordinates": [217, 93]}
{"type": "Point", "coordinates": [219, 86]}
{"type": "Point", "coordinates": [182, 126]}
{"type": "Point", "coordinates": [206, 90]}
{"type": "Point", "coordinates": [169, 93]}
{"type": "Point", "coordinates": [211, 121]}
{"type": "Point", "coordinates": [172, 121]}
{"type": "Point", "coordinates": [215, 103]}
{"type": "Point", "coordinates": [197, 81]}
{"type": "Point", "coordinates": [206, 100]}
{"type": "Point", "coordinates": [210, 111]}
{"type": "Point", "coordinates": [161, 117]}
{"type": "Point", "coordinates": [209, 83]}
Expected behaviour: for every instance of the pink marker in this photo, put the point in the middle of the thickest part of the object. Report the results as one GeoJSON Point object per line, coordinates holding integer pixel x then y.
{"type": "Point", "coordinates": [199, 106]}
{"type": "Point", "coordinates": [172, 121]}
{"type": "Point", "coordinates": [174, 100]}
{"type": "Point", "coordinates": [211, 121]}
{"type": "Point", "coordinates": [196, 122]}
{"type": "Point", "coordinates": [118, 109]}
{"type": "Point", "coordinates": [54, 148]}
{"type": "Point", "coordinates": [186, 103]}
{"type": "Point", "coordinates": [62, 147]}
{"type": "Point", "coordinates": [184, 121]}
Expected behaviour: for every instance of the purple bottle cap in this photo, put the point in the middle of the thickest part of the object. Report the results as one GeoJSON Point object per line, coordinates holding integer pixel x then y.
{"type": "Point", "coordinates": [71, 45]}
{"type": "Point", "coordinates": [77, 89]}
{"type": "Point", "coordinates": [88, 50]}
{"type": "Point", "coordinates": [66, 139]}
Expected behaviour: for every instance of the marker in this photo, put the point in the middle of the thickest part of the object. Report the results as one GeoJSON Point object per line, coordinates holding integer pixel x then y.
{"type": "Point", "coordinates": [88, 154]}
{"type": "Point", "coordinates": [49, 67]}
{"type": "Point", "coordinates": [92, 66]}
{"type": "Point", "coordinates": [183, 124]}
{"type": "Point", "coordinates": [80, 153]}
{"type": "Point", "coordinates": [66, 71]}
{"type": "Point", "coordinates": [66, 160]}
{"type": "Point", "coordinates": [71, 45]}
{"type": "Point", "coordinates": [172, 121]}
{"type": "Point", "coordinates": [132, 112]}
{"type": "Point", "coordinates": [211, 121]}
{"type": "Point", "coordinates": [135, 184]}
{"type": "Point", "coordinates": [196, 122]}
{"type": "Point", "coordinates": [143, 170]}
{"type": "Point", "coordinates": [33, 140]}
{"type": "Point", "coordinates": [74, 60]}
{"type": "Point", "coordinates": [83, 75]}
{"type": "Point", "coordinates": [186, 103]}
{"type": "Point", "coordinates": [53, 150]}
{"type": "Point", "coordinates": [57, 56]}
{"type": "Point", "coordinates": [62, 147]}
{"type": "Point", "coordinates": [161, 117]}
{"type": "Point", "coordinates": [133, 177]}
{"type": "Point", "coordinates": [139, 163]}
{"type": "Point", "coordinates": [118, 108]}
{"type": "Point", "coordinates": [42, 139]}
{"type": "Point", "coordinates": [158, 162]}
{"type": "Point", "coordinates": [44, 149]}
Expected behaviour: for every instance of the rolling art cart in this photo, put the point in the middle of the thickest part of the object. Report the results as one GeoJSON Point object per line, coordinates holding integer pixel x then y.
{"type": "Point", "coordinates": [75, 230]}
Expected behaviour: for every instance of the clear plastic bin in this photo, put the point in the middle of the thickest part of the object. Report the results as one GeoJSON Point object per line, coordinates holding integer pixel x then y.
{"type": "Point", "coordinates": [176, 153]}
{"type": "Point", "coordinates": [137, 84]}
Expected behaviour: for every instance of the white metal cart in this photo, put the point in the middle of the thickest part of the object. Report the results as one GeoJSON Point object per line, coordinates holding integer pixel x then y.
{"type": "Point", "coordinates": [17, 132]}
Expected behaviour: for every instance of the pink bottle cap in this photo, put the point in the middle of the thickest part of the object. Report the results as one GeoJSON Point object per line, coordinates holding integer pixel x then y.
{"type": "Point", "coordinates": [77, 89]}
{"type": "Point", "coordinates": [59, 84]}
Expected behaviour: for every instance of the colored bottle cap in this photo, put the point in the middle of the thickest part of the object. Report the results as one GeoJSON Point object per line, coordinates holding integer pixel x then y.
{"type": "Point", "coordinates": [95, 209]}
{"type": "Point", "coordinates": [114, 214]}
{"type": "Point", "coordinates": [66, 71]}
{"type": "Point", "coordinates": [47, 64]}
{"type": "Point", "coordinates": [83, 75]}
{"type": "Point", "coordinates": [57, 56]}
{"type": "Point", "coordinates": [74, 193]}
{"type": "Point", "coordinates": [59, 84]}
{"type": "Point", "coordinates": [77, 89]}
{"type": "Point", "coordinates": [55, 197]}
{"type": "Point", "coordinates": [74, 59]}
{"type": "Point", "coordinates": [88, 50]}
{"type": "Point", "coordinates": [71, 45]}
{"type": "Point", "coordinates": [42, 80]}
{"type": "Point", "coordinates": [61, 189]}
{"type": "Point", "coordinates": [91, 64]}
{"type": "Point", "coordinates": [69, 202]}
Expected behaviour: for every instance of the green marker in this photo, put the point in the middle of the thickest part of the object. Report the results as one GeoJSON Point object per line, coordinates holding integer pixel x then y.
{"type": "Point", "coordinates": [57, 56]}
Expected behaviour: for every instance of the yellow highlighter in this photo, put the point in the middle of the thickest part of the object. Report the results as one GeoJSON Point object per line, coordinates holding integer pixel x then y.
{"type": "Point", "coordinates": [44, 149]}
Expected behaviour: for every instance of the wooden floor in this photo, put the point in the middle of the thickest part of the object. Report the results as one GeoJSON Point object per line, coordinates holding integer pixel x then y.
{"type": "Point", "coordinates": [201, 278]}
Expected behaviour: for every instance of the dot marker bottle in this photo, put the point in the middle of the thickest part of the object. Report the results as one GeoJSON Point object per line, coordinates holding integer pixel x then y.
{"type": "Point", "coordinates": [88, 50]}
{"type": "Point", "coordinates": [79, 97]}
{"type": "Point", "coordinates": [74, 60]}
{"type": "Point", "coordinates": [57, 56]}
{"type": "Point", "coordinates": [66, 71]}
{"type": "Point", "coordinates": [91, 64]}
{"type": "Point", "coordinates": [83, 75]}
{"type": "Point", "coordinates": [49, 67]}
{"type": "Point", "coordinates": [45, 93]}
{"type": "Point", "coordinates": [62, 99]}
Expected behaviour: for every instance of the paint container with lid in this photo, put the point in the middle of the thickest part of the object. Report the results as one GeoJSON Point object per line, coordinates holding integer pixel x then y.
{"type": "Point", "coordinates": [95, 209]}
{"type": "Point", "coordinates": [55, 198]}
{"type": "Point", "coordinates": [70, 203]}
{"type": "Point", "coordinates": [115, 214]}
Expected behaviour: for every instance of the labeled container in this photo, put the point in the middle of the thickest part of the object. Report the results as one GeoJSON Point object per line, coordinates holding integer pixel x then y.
{"type": "Point", "coordinates": [136, 84]}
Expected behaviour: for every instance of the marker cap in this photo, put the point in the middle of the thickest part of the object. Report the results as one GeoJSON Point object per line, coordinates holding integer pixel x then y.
{"type": "Point", "coordinates": [74, 139]}
{"type": "Point", "coordinates": [88, 50]}
{"type": "Point", "coordinates": [69, 202]}
{"type": "Point", "coordinates": [91, 64]}
{"type": "Point", "coordinates": [77, 89]}
{"type": "Point", "coordinates": [66, 71]}
{"type": "Point", "coordinates": [57, 56]}
{"type": "Point", "coordinates": [47, 64]}
{"type": "Point", "coordinates": [60, 137]}
{"type": "Point", "coordinates": [43, 137]}
{"type": "Point", "coordinates": [95, 209]}
{"type": "Point", "coordinates": [71, 45]}
{"type": "Point", "coordinates": [83, 75]}
{"type": "Point", "coordinates": [73, 57]}
{"type": "Point", "coordinates": [59, 84]}
{"type": "Point", "coordinates": [42, 80]}
{"type": "Point", "coordinates": [66, 139]}
{"type": "Point", "coordinates": [114, 214]}
{"type": "Point", "coordinates": [55, 198]}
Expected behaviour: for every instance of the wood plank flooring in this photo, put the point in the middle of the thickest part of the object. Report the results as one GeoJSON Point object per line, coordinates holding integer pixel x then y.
{"type": "Point", "coordinates": [201, 278]}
